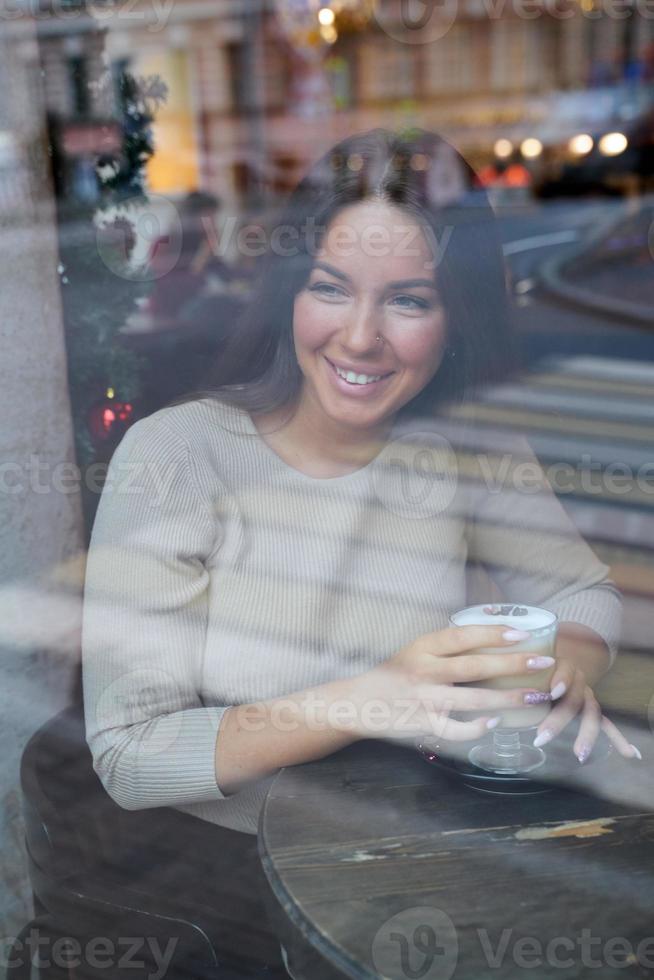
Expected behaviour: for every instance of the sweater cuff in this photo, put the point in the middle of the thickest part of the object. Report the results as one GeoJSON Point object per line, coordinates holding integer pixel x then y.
{"type": "Point", "coordinates": [599, 609]}
{"type": "Point", "coordinates": [167, 761]}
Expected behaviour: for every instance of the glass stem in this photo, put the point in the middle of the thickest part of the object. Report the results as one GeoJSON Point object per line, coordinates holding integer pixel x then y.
{"type": "Point", "coordinates": [506, 744]}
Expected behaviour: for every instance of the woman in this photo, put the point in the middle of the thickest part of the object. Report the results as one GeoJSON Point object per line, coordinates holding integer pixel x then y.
{"type": "Point", "coordinates": [274, 556]}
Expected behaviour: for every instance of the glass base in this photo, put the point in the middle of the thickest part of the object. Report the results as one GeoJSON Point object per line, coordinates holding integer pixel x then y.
{"type": "Point", "coordinates": [506, 754]}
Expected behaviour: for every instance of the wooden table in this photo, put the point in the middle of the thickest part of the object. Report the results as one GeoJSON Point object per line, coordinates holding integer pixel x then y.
{"type": "Point", "coordinates": [386, 866]}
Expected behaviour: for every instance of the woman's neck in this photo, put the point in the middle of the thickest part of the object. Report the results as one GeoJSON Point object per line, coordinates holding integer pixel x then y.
{"type": "Point", "coordinates": [317, 445]}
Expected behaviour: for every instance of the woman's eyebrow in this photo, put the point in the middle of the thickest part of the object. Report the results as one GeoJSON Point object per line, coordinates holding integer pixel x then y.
{"type": "Point", "coordinates": [398, 284]}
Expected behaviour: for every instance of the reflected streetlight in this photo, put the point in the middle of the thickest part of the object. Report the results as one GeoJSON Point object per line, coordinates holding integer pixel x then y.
{"type": "Point", "coordinates": [612, 144]}
{"type": "Point", "coordinates": [581, 144]}
{"type": "Point", "coordinates": [503, 149]}
{"type": "Point", "coordinates": [531, 148]}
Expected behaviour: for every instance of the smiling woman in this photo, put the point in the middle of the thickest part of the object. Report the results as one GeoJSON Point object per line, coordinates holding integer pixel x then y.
{"type": "Point", "coordinates": [366, 340]}
{"type": "Point", "coordinates": [280, 586]}
{"type": "Point", "coordinates": [376, 333]}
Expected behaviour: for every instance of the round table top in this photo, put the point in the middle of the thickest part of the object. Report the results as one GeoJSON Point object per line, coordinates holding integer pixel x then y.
{"type": "Point", "coordinates": [392, 867]}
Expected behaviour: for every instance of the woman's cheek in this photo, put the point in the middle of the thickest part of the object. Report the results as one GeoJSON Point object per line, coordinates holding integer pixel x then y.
{"type": "Point", "coordinates": [313, 321]}
{"type": "Point", "coordinates": [421, 345]}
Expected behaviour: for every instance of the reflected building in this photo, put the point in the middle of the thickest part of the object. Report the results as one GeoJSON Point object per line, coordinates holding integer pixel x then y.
{"type": "Point", "coordinates": [247, 109]}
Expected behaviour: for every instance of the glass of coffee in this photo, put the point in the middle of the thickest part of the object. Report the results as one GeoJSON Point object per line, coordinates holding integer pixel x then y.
{"type": "Point", "coordinates": [507, 753]}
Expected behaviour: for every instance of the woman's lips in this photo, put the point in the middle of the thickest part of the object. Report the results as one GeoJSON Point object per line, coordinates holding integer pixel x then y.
{"type": "Point", "coordinates": [352, 388]}
{"type": "Point", "coordinates": [371, 373]}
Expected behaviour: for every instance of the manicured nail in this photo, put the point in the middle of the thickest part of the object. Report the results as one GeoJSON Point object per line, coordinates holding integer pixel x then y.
{"type": "Point", "coordinates": [516, 635]}
{"type": "Point", "coordinates": [637, 754]}
{"type": "Point", "coordinates": [539, 663]}
{"type": "Point", "coordinates": [583, 753]}
{"type": "Point", "coordinates": [493, 722]}
{"type": "Point", "coordinates": [558, 691]}
{"type": "Point", "coordinates": [544, 737]}
{"type": "Point", "coordinates": [537, 697]}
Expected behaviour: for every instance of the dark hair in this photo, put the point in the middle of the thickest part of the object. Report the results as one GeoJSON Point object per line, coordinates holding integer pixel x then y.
{"type": "Point", "coordinates": [421, 173]}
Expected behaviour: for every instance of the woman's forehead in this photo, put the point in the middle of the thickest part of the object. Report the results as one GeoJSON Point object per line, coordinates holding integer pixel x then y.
{"type": "Point", "coordinates": [380, 239]}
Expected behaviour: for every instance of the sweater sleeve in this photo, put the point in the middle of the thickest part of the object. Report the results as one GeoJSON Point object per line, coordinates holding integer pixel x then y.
{"type": "Point", "coordinates": [145, 623]}
{"type": "Point", "coordinates": [521, 534]}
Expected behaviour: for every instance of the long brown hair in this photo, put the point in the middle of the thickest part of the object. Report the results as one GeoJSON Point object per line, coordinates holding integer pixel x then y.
{"type": "Point", "coordinates": [420, 172]}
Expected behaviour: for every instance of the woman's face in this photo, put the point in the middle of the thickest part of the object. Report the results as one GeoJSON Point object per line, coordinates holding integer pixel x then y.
{"type": "Point", "coordinates": [373, 275]}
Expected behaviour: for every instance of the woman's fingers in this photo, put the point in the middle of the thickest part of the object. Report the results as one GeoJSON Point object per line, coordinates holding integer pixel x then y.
{"type": "Point", "coordinates": [461, 639]}
{"type": "Point", "coordinates": [483, 666]}
{"type": "Point", "coordinates": [437, 724]}
{"type": "Point", "coordinates": [561, 679]}
{"type": "Point", "coordinates": [589, 728]}
{"type": "Point", "coordinates": [580, 700]}
{"type": "Point", "coordinates": [592, 721]}
{"type": "Point", "coordinates": [623, 746]}
{"type": "Point", "coordinates": [481, 698]}
{"type": "Point", "coordinates": [563, 712]}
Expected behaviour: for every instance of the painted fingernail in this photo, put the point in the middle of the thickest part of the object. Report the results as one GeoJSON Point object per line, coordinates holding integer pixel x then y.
{"type": "Point", "coordinates": [558, 691]}
{"type": "Point", "coordinates": [539, 663]}
{"type": "Point", "coordinates": [537, 697]}
{"type": "Point", "coordinates": [583, 753]}
{"type": "Point", "coordinates": [516, 635]}
{"type": "Point", "coordinates": [493, 722]}
{"type": "Point", "coordinates": [544, 737]}
{"type": "Point", "coordinates": [637, 753]}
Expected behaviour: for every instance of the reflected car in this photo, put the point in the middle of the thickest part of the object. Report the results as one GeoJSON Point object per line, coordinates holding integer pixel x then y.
{"type": "Point", "coordinates": [599, 139]}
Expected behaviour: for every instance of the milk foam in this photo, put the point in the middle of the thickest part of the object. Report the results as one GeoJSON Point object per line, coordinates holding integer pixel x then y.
{"type": "Point", "coordinates": [532, 618]}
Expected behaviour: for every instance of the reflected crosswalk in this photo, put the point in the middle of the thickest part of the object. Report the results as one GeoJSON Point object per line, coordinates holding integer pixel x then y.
{"type": "Point", "coordinates": [591, 419]}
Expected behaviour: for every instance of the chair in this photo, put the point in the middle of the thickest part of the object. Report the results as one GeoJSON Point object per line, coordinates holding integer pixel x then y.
{"type": "Point", "coordinates": [71, 825]}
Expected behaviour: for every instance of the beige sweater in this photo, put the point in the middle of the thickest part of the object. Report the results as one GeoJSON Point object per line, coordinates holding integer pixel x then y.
{"type": "Point", "coordinates": [217, 575]}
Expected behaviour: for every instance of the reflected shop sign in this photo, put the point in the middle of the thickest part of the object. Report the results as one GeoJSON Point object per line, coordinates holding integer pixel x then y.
{"type": "Point", "coordinates": [81, 139]}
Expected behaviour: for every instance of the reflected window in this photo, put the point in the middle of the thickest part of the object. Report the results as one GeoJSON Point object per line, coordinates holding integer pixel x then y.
{"type": "Point", "coordinates": [387, 69]}
{"type": "Point", "coordinates": [78, 81]}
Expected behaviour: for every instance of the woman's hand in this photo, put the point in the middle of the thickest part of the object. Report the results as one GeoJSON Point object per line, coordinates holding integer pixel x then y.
{"type": "Point", "coordinates": [573, 696]}
{"type": "Point", "coordinates": [413, 693]}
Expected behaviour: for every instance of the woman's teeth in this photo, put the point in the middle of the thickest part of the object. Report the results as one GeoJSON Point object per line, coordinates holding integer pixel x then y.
{"type": "Point", "coordinates": [357, 379]}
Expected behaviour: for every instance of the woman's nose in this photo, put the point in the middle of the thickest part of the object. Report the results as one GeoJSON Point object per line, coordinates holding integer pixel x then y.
{"type": "Point", "coordinates": [362, 329]}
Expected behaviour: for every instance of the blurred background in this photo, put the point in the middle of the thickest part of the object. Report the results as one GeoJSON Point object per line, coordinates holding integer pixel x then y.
{"type": "Point", "coordinates": [145, 147]}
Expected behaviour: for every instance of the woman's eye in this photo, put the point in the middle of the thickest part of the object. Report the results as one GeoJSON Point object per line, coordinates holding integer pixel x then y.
{"type": "Point", "coordinates": [411, 302]}
{"type": "Point", "coordinates": [326, 289]}
{"type": "Point", "coordinates": [403, 301]}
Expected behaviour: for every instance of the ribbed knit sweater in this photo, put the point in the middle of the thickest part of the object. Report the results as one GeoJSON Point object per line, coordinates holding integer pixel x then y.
{"type": "Point", "coordinates": [218, 574]}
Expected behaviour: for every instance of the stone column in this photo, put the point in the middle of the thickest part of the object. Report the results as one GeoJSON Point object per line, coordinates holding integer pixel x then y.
{"type": "Point", "coordinates": [41, 534]}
